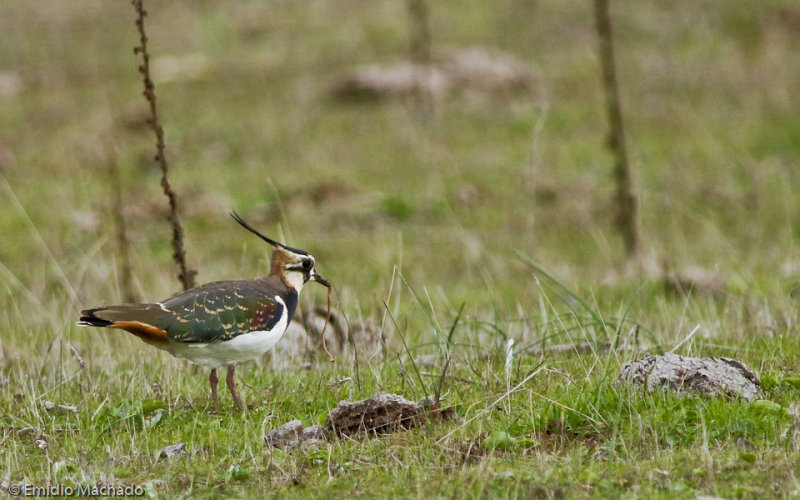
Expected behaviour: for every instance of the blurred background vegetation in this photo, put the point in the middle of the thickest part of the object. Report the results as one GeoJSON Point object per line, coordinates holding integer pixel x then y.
{"type": "Point", "coordinates": [709, 94]}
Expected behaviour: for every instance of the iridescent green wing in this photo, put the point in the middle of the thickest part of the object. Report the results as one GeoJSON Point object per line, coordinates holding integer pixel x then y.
{"type": "Point", "coordinates": [220, 311]}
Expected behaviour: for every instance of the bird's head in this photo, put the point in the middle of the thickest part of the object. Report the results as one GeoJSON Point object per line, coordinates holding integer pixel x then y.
{"type": "Point", "coordinates": [293, 267]}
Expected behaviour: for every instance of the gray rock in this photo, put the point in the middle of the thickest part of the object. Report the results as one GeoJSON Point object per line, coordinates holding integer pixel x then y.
{"type": "Point", "coordinates": [457, 70]}
{"type": "Point", "coordinates": [172, 452]}
{"type": "Point", "coordinates": [286, 436]}
{"type": "Point", "coordinates": [709, 377]}
{"type": "Point", "coordinates": [292, 434]}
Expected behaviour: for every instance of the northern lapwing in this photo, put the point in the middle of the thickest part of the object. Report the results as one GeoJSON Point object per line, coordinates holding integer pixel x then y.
{"type": "Point", "coordinates": [223, 323]}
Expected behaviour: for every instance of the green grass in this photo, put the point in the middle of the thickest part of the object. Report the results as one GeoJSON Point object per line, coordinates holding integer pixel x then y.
{"type": "Point", "coordinates": [496, 213]}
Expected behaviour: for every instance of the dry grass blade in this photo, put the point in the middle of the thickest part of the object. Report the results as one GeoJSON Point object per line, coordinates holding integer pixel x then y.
{"type": "Point", "coordinates": [325, 327]}
{"type": "Point", "coordinates": [494, 403]}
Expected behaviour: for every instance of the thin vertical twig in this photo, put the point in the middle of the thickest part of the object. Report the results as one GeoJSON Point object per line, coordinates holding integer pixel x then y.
{"type": "Point", "coordinates": [185, 275]}
{"type": "Point", "coordinates": [421, 55]}
{"type": "Point", "coordinates": [625, 198]}
{"type": "Point", "coordinates": [420, 42]}
{"type": "Point", "coordinates": [123, 242]}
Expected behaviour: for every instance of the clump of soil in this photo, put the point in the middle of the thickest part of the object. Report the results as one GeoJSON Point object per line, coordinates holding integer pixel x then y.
{"type": "Point", "coordinates": [381, 413]}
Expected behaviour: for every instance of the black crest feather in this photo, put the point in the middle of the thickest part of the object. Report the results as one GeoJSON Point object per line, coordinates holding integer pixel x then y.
{"type": "Point", "coordinates": [272, 242]}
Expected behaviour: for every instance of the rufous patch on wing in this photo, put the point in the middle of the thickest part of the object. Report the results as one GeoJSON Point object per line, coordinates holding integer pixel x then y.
{"type": "Point", "coordinates": [142, 330]}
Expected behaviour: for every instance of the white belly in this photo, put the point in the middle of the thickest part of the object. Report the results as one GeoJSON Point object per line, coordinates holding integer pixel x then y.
{"type": "Point", "coordinates": [244, 347]}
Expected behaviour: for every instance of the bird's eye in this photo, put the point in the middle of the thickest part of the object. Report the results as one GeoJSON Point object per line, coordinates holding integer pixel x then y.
{"type": "Point", "coordinates": [307, 264]}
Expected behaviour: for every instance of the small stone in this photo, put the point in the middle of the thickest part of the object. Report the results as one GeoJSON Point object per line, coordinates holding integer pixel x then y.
{"type": "Point", "coordinates": [173, 451]}
{"type": "Point", "coordinates": [286, 436]}
{"type": "Point", "coordinates": [293, 434]}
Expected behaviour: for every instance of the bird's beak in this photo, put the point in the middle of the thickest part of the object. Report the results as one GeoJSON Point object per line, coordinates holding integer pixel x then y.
{"type": "Point", "coordinates": [322, 281]}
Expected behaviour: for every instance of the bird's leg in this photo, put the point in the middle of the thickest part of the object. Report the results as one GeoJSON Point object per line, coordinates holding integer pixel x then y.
{"type": "Point", "coordinates": [213, 381]}
{"type": "Point", "coordinates": [232, 387]}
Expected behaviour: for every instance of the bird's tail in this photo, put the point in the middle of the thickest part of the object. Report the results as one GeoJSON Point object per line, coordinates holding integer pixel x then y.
{"type": "Point", "coordinates": [88, 318]}
{"type": "Point", "coordinates": [137, 319]}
